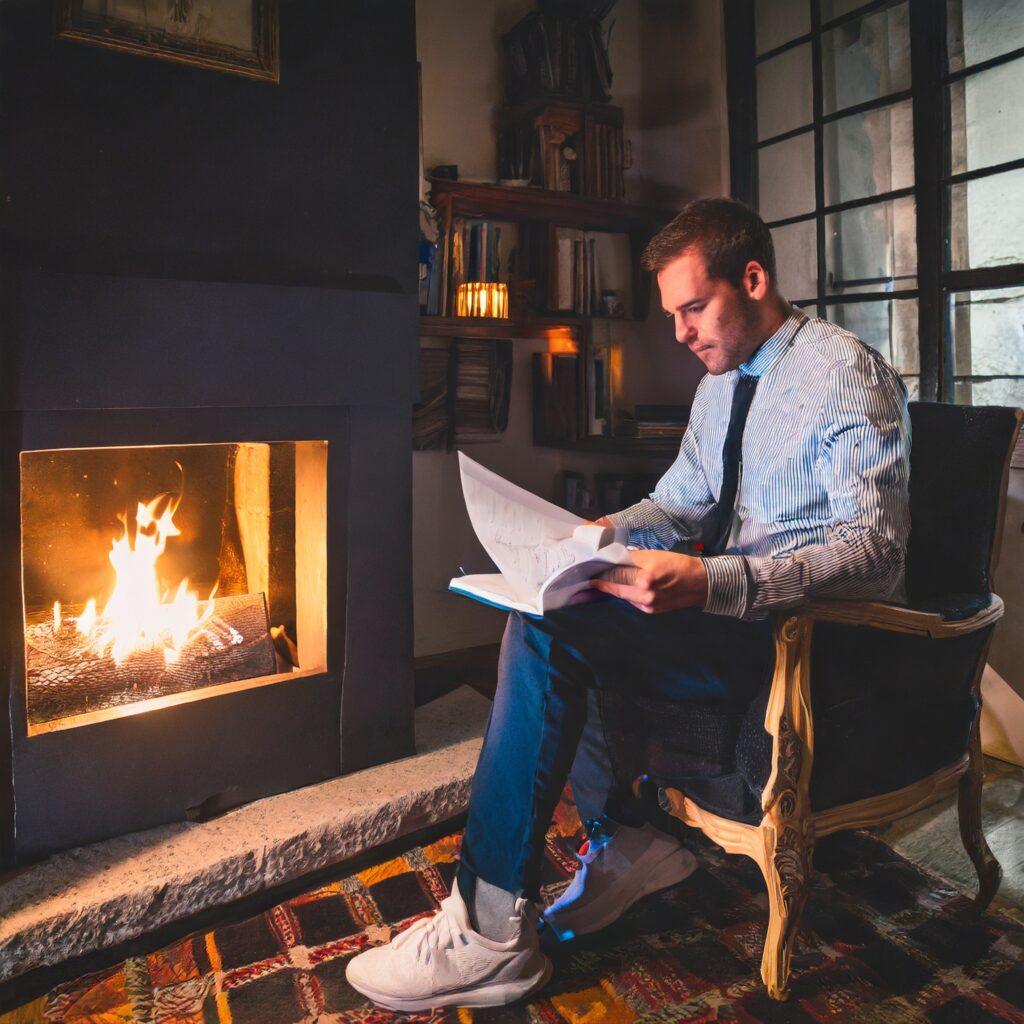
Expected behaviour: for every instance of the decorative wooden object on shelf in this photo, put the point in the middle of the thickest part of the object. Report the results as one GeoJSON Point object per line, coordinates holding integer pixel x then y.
{"type": "Point", "coordinates": [564, 146]}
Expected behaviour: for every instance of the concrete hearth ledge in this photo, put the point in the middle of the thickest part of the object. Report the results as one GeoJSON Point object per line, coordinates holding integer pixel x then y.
{"type": "Point", "coordinates": [97, 896]}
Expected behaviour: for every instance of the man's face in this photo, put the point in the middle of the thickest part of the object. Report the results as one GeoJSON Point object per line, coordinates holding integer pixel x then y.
{"type": "Point", "coordinates": [715, 319]}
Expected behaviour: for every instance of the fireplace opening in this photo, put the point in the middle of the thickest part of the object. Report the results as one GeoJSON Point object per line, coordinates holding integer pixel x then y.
{"type": "Point", "coordinates": [162, 574]}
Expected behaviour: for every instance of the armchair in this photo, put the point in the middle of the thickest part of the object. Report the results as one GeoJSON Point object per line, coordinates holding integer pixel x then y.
{"type": "Point", "coordinates": [872, 711]}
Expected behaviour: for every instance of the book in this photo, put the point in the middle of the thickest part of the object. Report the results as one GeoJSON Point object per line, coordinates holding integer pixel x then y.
{"type": "Point", "coordinates": [546, 555]}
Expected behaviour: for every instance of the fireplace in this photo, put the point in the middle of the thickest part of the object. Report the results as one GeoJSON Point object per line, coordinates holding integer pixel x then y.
{"type": "Point", "coordinates": [156, 575]}
{"type": "Point", "coordinates": [208, 329]}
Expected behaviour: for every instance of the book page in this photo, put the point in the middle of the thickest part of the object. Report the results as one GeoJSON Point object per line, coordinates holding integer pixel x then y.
{"type": "Point", "coordinates": [527, 538]}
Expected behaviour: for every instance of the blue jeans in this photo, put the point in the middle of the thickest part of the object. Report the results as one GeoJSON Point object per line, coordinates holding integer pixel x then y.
{"type": "Point", "coordinates": [544, 725]}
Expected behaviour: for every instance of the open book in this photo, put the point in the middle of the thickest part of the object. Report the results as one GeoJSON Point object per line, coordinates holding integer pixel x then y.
{"type": "Point", "coordinates": [546, 555]}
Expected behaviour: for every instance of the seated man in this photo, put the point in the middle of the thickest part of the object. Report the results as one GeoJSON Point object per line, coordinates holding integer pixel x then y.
{"type": "Point", "coordinates": [792, 480]}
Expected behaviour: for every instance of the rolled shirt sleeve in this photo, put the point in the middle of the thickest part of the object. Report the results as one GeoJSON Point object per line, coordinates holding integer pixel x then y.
{"type": "Point", "coordinates": [863, 464]}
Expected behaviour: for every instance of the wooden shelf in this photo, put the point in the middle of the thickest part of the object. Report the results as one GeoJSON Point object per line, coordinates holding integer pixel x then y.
{"type": "Point", "coordinates": [654, 448]}
{"type": "Point", "coordinates": [490, 327]}
{"type": "Point", "coordinates": [529, 203]}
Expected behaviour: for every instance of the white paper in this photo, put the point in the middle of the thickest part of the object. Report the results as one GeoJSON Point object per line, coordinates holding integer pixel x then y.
{"type": "Point", "coordinates": [529, 539]}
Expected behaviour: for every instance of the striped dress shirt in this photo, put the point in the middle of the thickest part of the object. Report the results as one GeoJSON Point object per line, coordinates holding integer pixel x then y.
{"type": "Point", "coordinates": [822, 508]}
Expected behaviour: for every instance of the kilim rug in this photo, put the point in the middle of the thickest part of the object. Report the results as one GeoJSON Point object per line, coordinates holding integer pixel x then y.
{"type": "Point", "coordinates": [883, 942]}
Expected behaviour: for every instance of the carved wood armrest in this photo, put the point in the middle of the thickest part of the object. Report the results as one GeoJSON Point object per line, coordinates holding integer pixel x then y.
{"type": "Point", "coordinates": [897, 619]}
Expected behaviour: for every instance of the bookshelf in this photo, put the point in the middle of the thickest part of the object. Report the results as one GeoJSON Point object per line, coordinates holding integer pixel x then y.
{"type": "Point", "coordinates": [546, 212]}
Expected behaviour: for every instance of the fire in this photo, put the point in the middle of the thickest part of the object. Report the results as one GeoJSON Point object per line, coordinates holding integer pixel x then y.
{"type": "Point", "coordinates": [140, 614]}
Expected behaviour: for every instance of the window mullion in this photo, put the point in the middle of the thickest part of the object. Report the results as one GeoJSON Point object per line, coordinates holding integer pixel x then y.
{"type": "Point", "coordinates": [819, 148]}
{"type": "Point", "coordinates": [741, 88]}
{"type": "Point", "coordinates": [927, 60]}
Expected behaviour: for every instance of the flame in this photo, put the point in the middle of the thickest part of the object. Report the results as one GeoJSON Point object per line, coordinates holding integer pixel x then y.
{"type": "Point", "coordinates": [139, 615]}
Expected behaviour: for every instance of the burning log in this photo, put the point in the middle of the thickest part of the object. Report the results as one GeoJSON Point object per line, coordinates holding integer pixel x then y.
{"type": "Point", "coordinates": [66, 676]}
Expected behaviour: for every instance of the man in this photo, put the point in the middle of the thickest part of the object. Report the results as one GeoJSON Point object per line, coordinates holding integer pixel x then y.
{"type": "Point", "coordinates": [792, 477]}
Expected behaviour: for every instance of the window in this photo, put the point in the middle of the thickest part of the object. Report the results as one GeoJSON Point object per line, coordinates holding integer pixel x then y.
{"type": "Point", "coordinates": [884, 145]}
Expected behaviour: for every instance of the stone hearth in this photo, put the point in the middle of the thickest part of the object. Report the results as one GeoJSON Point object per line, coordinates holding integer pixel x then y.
{"type": "Point", "coordinates": [97, 896]}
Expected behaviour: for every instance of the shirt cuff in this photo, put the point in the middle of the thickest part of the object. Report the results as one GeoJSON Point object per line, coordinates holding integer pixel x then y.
{"type": "Point", "coordinates": [728, 585]}
{"type": "Point", "coordinates": [648, 524]}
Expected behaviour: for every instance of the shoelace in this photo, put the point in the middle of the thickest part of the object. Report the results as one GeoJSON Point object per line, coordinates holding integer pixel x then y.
{"type": "Point", "coordinates": [438, 932]}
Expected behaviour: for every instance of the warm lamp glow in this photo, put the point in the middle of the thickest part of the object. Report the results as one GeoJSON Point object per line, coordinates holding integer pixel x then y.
{"type": "Point", "coordinates": [561, 341]}
{"type": "Point", "coordinates": [482, 298]}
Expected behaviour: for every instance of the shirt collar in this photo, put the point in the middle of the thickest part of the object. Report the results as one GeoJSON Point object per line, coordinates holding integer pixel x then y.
{"type": "Point", "coordinates": [770, 351]}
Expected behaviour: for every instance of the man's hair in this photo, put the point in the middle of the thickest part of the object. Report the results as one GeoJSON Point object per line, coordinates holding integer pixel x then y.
{"type": "Point", "coordinates": [727, 233]}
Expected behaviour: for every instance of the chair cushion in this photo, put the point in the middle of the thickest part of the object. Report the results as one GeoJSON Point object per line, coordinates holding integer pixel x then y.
{"type": "Point", "coordinates": [889, 709]}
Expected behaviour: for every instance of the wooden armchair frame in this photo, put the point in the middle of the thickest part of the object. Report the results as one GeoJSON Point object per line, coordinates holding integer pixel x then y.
{"type": "Point", "coordinates": [782, 843]}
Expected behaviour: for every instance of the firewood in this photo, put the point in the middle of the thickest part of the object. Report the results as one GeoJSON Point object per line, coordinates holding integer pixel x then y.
{"type": "Point", "coordinates": [65, 678]}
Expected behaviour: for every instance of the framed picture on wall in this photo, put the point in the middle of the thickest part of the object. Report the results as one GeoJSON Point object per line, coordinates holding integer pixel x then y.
{"type": "Point", "coordinates": [237, 36]}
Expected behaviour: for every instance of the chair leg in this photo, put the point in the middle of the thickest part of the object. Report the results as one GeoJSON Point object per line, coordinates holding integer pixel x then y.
{"type": "Point", "coordinates": [990, 874]}
{"type": "Point", "coordinates": [786, 866]}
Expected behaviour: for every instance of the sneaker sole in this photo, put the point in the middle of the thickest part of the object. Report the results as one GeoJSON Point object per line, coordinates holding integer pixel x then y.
{"type": "Point", "coordinates": [500, 994]}
{"type": "Point", "coordinates": [671, 870]}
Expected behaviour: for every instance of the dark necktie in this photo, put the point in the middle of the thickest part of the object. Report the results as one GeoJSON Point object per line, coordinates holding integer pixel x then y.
{"type": "Point", "coordinates": [732, 450]}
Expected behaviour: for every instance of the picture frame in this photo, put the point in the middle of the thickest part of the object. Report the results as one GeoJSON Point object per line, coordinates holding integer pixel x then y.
{"type": "Point", "coordinates": [236, 36]}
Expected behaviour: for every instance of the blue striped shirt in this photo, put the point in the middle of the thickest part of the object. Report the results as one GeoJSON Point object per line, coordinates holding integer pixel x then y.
{"type": "Point", "coordinates": [822, 508]}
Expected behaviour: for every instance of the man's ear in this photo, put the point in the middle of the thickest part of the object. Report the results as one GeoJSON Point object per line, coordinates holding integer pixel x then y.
{"type": "Point", "coordinates": [755, 281]}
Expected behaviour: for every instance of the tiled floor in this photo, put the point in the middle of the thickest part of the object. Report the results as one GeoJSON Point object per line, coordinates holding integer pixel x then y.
{"type": "Point", "coordinates": [931, 837]}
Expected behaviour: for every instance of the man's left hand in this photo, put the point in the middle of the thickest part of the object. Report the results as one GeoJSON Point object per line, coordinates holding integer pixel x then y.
{"type": "Point", "coordinates": [661, 581]}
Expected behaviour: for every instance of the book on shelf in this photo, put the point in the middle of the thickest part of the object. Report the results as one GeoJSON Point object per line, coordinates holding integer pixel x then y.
{"type": "Point", "coordinates": [555, 397]}
{"type": "Point", "coordinates": [552, 53]}
{"type": "Point", "coordinates": [465, 387]}
{"type": "Point", "coordinates": [660, 421]}
{"type": "Point", "coordinates": [589, 265]}
{"type": "Point", "coordinates": [546, 556]}
{"type": "Point", "coordinates": [483, 386]}
{"type": "Point", "coordinates": [430, 415]}
{"type": "Point", "coordinates": [475, 250]}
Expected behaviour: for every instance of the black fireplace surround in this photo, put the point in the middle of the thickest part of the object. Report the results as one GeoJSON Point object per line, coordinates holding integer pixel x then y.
{"type": "Point", "coordinates": [190, 257]}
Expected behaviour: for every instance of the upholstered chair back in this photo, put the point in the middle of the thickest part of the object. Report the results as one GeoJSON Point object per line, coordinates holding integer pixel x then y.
{"type": "Point", "coordinates": [957, 482]}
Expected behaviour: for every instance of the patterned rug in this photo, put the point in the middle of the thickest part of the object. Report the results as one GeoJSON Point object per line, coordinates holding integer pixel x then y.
{"type": "Point", "coordinates": [882, 942]}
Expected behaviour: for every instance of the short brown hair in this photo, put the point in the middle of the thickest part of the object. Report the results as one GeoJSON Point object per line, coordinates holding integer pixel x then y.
{"type": "Point", "coordinates": [727, 233]}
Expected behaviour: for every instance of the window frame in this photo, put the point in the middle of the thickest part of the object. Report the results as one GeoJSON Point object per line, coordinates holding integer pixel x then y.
{"type": "Point", "coordinates": [929, 92]}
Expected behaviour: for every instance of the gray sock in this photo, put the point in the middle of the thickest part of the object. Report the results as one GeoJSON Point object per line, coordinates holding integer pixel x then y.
{"type": "Point", "coordinates": [492, 912]}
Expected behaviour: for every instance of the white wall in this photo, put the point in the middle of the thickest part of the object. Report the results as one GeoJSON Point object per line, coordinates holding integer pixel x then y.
{"type": "Point", "coordinates": [668, 77]}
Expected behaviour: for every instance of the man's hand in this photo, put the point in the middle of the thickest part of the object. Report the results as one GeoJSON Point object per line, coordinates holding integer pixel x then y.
{"type": "Point", "coordinates": [661, 581]}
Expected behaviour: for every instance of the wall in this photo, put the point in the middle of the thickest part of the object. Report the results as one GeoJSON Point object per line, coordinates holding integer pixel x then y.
{"type": "Point", "coordinates": [268, 232]}
{"type": "Point", "coordinates": [667, 62]}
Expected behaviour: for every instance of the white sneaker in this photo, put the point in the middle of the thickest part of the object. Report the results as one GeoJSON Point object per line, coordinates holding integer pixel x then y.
{"type": "Point", "coordinates": [613, 876]}
{"type": "Point", "coordinates": [440, 961]}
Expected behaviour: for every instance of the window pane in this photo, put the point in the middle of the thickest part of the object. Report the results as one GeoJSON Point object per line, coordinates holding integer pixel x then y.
{"type": "Point", "coordinates": [866, 58]}
{"type": "Point", "coordinates": [889, 326]}
{"type": "Point", "coordinates": [987, 117]}
{"type": "Point", "coordinates": [988, 342]}
{"type": "Point", "coordinates": [837, 8]}
{"type": "Point", "coordinates": [784, 92]}
{"type": "Point", "coordinates": [977, 30]}
{"type": "Point", "coordinates": [987, 221]}
{"type": "Point", "coordinates": [778, 21]}
{"type": "Point", "coordinates": [785, 178]}
{"type": "Point", "coordinates": [872, 248]}
{"type": "Point", "coordinates": [999, 391]}
{"type": "Point", "coordinates": [796, 259]}
{"type": "Point", "coordinates": [866, 154]}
